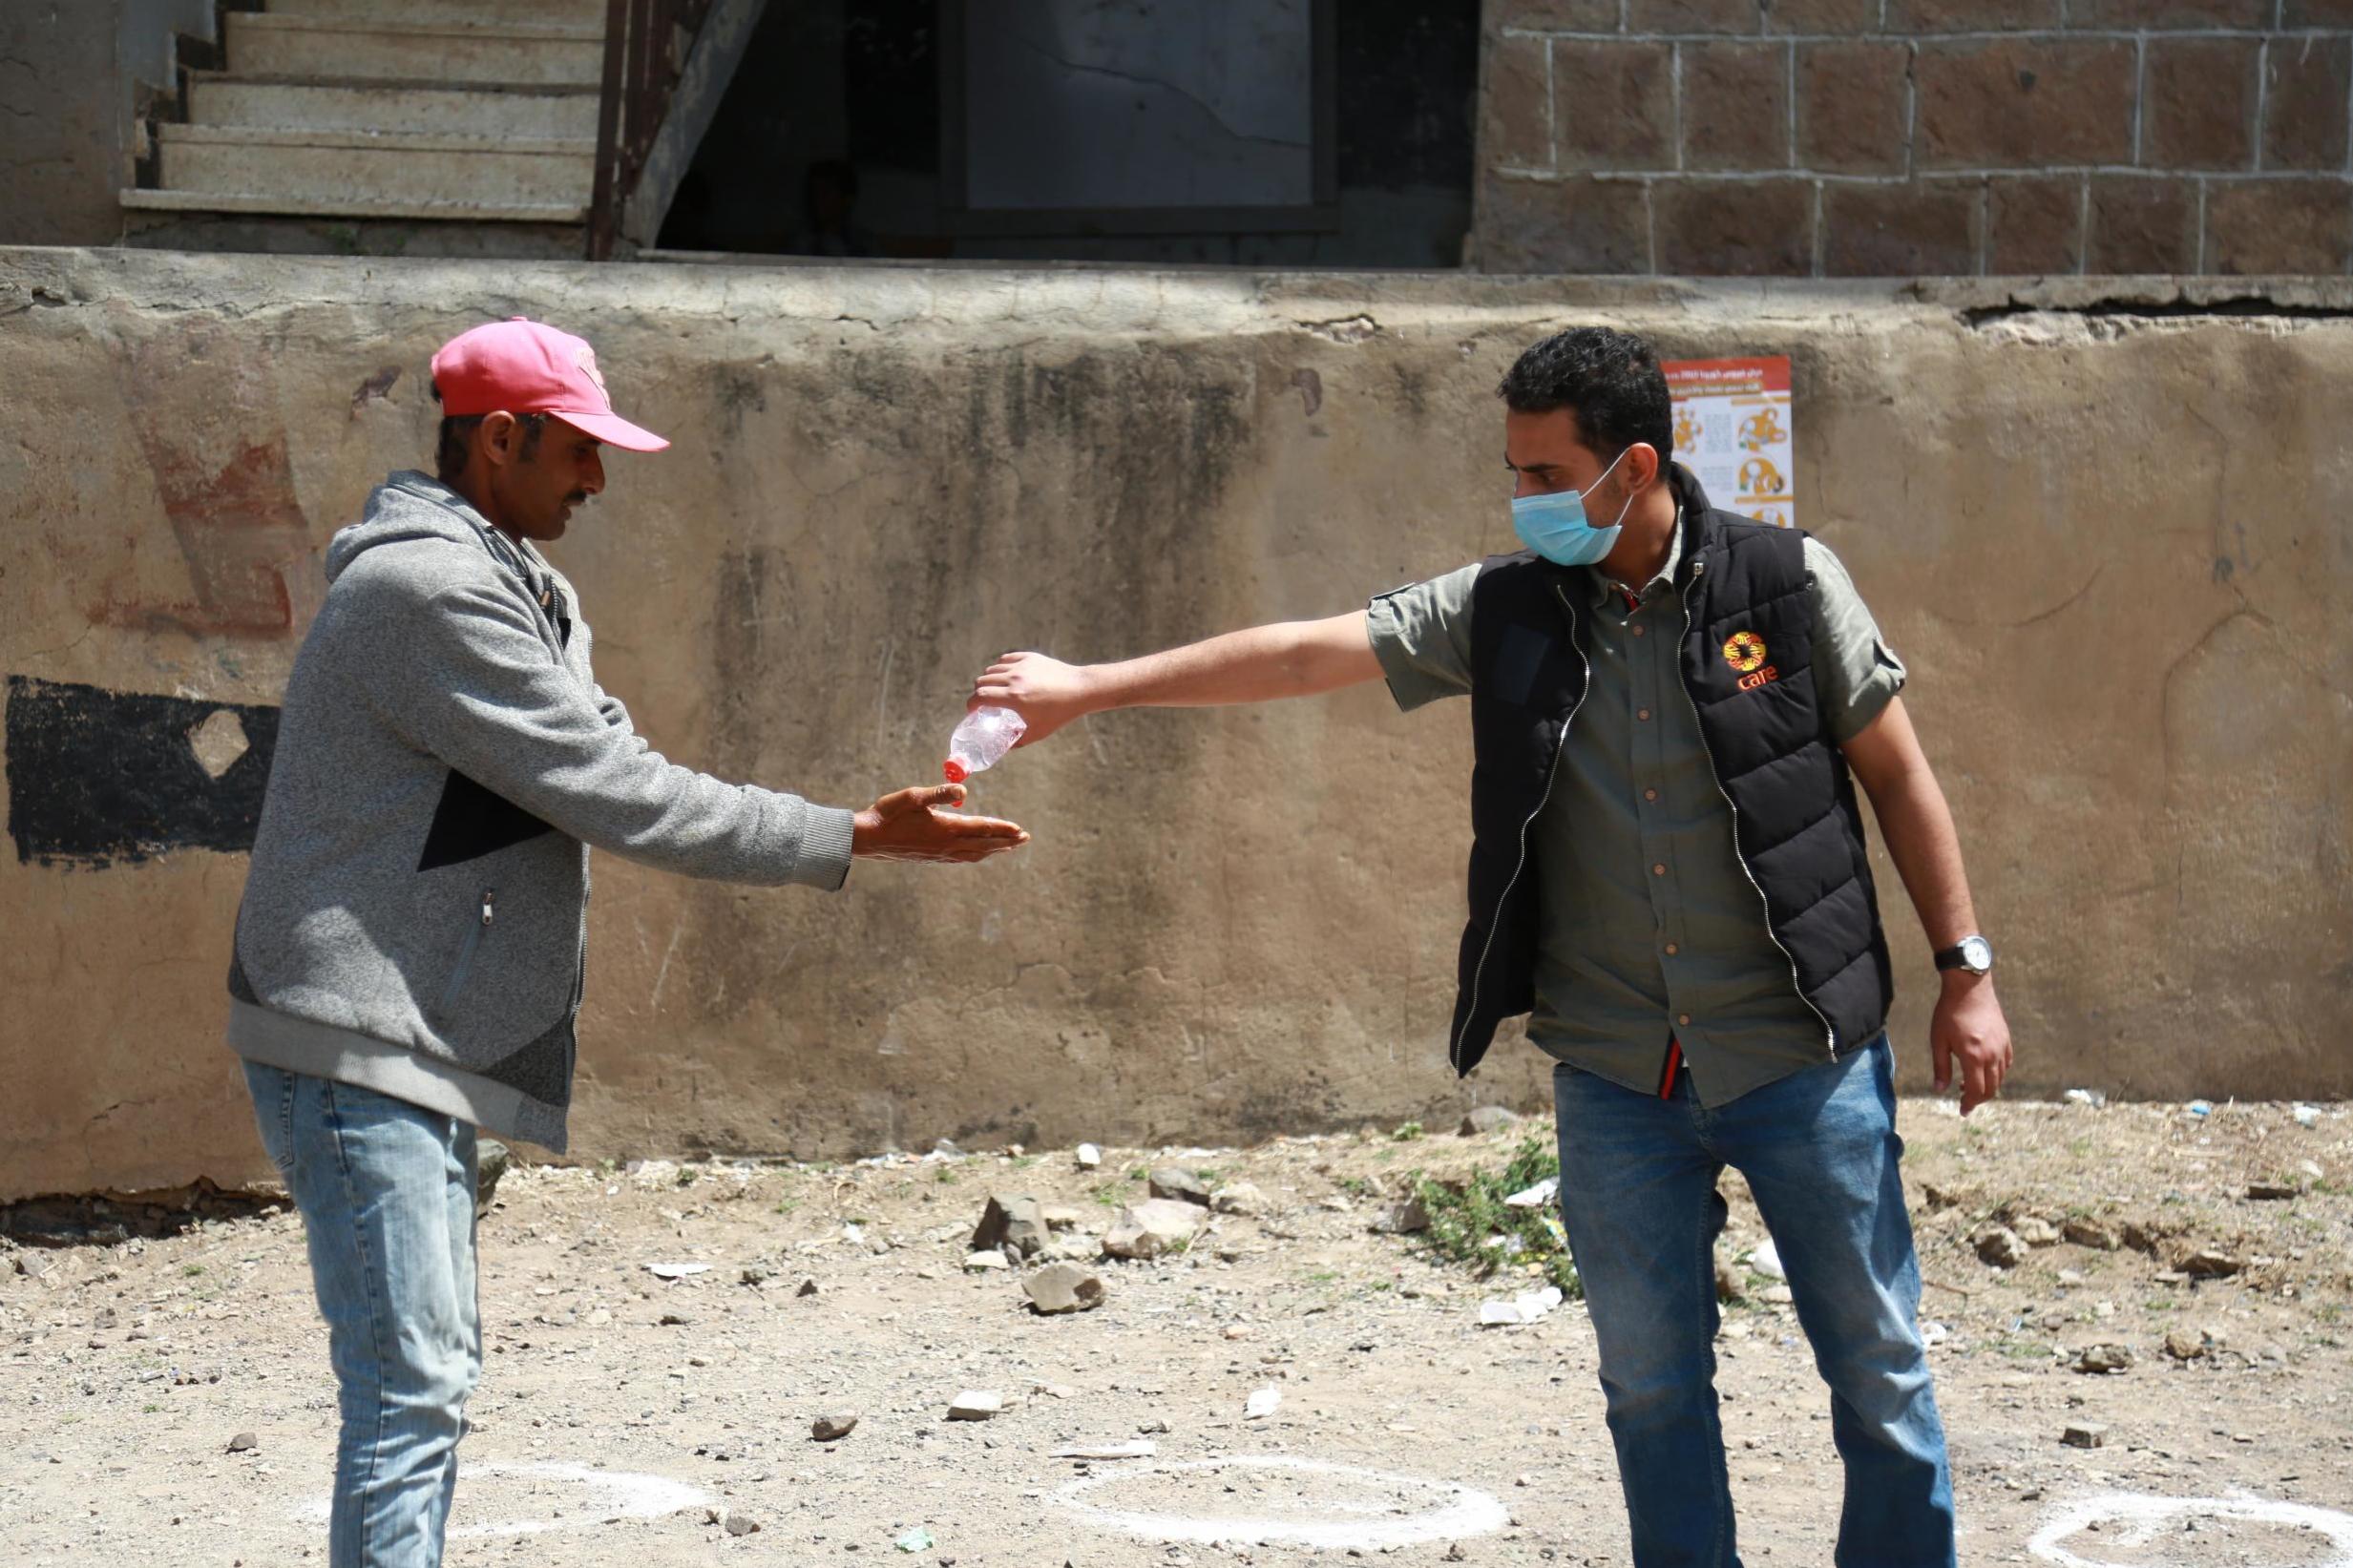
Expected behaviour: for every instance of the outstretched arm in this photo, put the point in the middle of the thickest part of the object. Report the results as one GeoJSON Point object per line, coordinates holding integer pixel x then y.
{"type": "Point", "coordinates": [1289, 659]}
{"type": "Point", "coordinates": [1918, 825]}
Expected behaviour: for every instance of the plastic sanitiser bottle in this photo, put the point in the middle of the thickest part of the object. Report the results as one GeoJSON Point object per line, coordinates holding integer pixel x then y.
{"type": "Point", "coordinates": [982, 740]}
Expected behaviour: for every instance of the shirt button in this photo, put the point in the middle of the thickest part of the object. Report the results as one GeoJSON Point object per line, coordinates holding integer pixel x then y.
{"type": "Point", "coordinates": [1658, 869]}
{"type": "Point", "coordinates": [1650, 794]}
{"type": "Point", "coordinates": [1684, 1018]}
{"type": "Point", "coordinates": [1673, 948]}
{"type": "Point", "coordinates": [1643, 714]}
{"type": "Point", "coordinates": [1636, 630]}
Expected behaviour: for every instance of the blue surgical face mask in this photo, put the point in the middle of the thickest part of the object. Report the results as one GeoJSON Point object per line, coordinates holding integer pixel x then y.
{"type": "Point", "coordinates": [1555, 527]}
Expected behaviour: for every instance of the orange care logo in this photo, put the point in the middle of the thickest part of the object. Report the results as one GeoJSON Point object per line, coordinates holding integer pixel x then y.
{"type": "Point", "coordinates": [585, 359]}
{"type": "Point", "coordinates": [1745, 651]}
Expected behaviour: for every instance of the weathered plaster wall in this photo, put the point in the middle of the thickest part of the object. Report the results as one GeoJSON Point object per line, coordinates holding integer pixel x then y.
{"type": "Point", "coordinates": [2108, 544]}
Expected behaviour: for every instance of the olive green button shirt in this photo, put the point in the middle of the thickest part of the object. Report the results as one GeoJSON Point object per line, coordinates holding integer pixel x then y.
{"type": "Point", "coordinates": [1650, 927]}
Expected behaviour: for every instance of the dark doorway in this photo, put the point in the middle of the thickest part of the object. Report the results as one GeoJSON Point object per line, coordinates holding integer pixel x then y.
{"type": "Point", "coordinates": [1263, 133]}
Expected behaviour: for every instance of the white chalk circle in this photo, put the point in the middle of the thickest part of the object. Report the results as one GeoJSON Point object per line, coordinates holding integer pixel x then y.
{"type": "Point", "coordinates": [1277, 1499]}
{"type": "Point", "coordinates": [2141, 1518]}
{"type": "Point", "coordinates": [581, 1497]}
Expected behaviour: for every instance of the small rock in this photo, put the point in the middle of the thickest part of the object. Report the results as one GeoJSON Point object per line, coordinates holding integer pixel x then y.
{"type": "Point", "coordinates": [1766, 1260]}
{"type": "Point", "coordinates": [1062, 1287]}
{"type": "Point", "coordinates": [677, 1271]}
{"type": "Point", "coordinates": [2208, 1264]}
{"type": "Point", "coordinates": [1779, 1295]}
{"type": "Point", "coordinates": [1404, 1219]}
{"type": "Point", "coordinates": [491, 1161]}
{"type": "Point", "coordinates": [753, 1274]}
{"type": "Point", "coordinates": [808, 1288]}
{"type": "Point", "coordinates": [2145, 1236]}
{"type": "Point", "coordinates": [2104, 1358]}
{"type": "Point", "coordinates": [2091, 1233]}
{"type": "Point", "coordinates": [1727, 1287]}
{"type": "Point", "coordinates": [2035, 1231]}
{"type": "Point", "coordinates": [2184, 1345]}
{"type": "Point", "coordinates": [832, 1428]}
{"type": "Point", "coordinates": [1241, 1198]}
{"type": "Point", "coordinates": [946, 1149]}
{"type": "Point", "coordinates": [2273, 1192]}
{"type": "Point", "coordinates": [2087, 1096]}
{"type": "Point", "coordinates": [1487, 1119]}
{"type": "Point", "coordinates": [976, 1405]}
{"type": "Point", "coordinates": [1240, 1331]}
{"type": "Point", "coordinates": [244, 1442]}
{"type": "Point", "coordinates": [1089, 1157]}
{"type": "Point", "coordinates": [1155, 1226]}
{"type": "Point", "coordinates": [741, 1524]}
{"type": "Point", "coordinates": [918, 1539]}
{"type": "Point", "coordinates": [1134, 1449]}
{"type": "Point", "coordinates": [2084, 1434]}
{"type": "Point", "coordinates": [1062, 1217]}
{"type": "Point", "coordinates": [1262, 1403]}
{"type": "Point", "coordinates": [1935, 1197]}
{"type": "Point", "coordinates": [600, 1318]}
{"type": "Point", "coordinates": [981, 1262]}
{"type": "Point", "coordinates": [1175, 1181]}
{"type": "Point", "coordinates": [2306, 1116]}
{"type": "Point", "coordinates": [2000, 1246]}
{"type": "Point", "coordinates": [676, 1320]}
{"type": "Point", "coordinates": [1016, 1226]}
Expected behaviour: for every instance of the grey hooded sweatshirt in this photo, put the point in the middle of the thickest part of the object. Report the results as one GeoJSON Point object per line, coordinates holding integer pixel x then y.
{"type": "Point", "coordinates": [415, 920]}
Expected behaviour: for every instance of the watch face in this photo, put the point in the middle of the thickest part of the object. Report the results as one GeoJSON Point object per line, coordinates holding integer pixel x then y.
{"type": "Point", "coordinates": [1977, 954]}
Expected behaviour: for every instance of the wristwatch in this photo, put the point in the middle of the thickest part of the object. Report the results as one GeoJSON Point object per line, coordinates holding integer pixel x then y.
{"type": "Point", "coordinates": [1973, 954]}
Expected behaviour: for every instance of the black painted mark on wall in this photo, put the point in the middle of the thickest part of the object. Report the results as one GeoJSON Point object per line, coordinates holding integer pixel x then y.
{"type": "Point", "coordinates": [97, 777]}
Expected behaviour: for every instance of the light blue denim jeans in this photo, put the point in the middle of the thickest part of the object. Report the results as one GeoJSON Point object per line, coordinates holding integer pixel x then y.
{"type": "Point", "coordinates": [386, 1190]}
{"type": "Point", "coordinates": [1638, 1196]}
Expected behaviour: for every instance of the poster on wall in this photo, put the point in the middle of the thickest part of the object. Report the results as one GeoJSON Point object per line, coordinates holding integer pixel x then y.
{"type": "Point", "coordinates": [1733, 430]}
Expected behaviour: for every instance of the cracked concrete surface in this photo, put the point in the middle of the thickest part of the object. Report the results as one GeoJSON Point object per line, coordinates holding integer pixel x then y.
{"type": "Point", "coordinates": [1229, 924]}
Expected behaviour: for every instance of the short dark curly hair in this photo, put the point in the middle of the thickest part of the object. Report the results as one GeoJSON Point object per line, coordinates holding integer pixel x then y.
{"type": "Point", "coordinates": [450, 444]}
{"type": "Point", "coordinates": [1610, 380]}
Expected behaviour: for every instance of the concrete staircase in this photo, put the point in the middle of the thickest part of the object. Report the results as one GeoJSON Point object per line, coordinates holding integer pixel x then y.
{"type": "Point", "coordinates": [437, 126]}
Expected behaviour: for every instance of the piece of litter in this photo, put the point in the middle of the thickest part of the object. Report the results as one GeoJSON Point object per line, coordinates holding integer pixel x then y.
{"type": "Point", "coordinates": [2086, 1096]}
{"type": "Point", "coordinates": [1766, 1260]}
{"type": "Point", "coordinates": [2199, 1107]}
{"type": "Point", "coordinates": [1089, 1157]}
{"type": "Point", "coordinates": [677, 1271]}
{"type": "Point", "coordinates": [918, 1539]}
{"type": "Point", "coordinates": [1536, 1196]}
{"type": "Point", "coordinates": [1528, 1306]}
{"type": "Point", "coordinates": [1138, 1448]}
{"type": "Point", "coordinates": [976, 1405]}
{"type": "Point", "coordinates": [2306, 1116]}
{"type": "Point", "coordinates": [1262, 1403]}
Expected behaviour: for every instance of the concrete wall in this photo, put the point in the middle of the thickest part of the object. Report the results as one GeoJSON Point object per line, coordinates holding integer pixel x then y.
{"type": "Point", "coordinates": [1897, 138]}
{"type": "Point", "coordinates": [73, 77]}
{"type": "Point", "coordinates": [2106, 538]}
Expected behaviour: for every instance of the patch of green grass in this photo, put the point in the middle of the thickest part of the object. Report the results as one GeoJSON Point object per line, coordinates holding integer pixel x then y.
{"type": "Point", "coordinates": [2160, 1304]}
{"type": "Point", "coordinates": [1023, 1161]}
{"type": "Point", "coordinates": [1323, 1275]}
{"type": "Point", "coordinates": [151, 1409]}
{"type": "Point", "coordinates": [193, 1270]}
{"type": "Point", "coordinates": [1464, 1219]}
{"type": "Point", "coordinates": [1407, 1132]}
{"type": "Point", "coordinates": [946, 1176]}
{"type": "Point", "coordinates": [2025, 1349]}
{"type": "Point", "coordinates": [688, 1176]}
{"type": "Point", "coordinates": [786, 1205]}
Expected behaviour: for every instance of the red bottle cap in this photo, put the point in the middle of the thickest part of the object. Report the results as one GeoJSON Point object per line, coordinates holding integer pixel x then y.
{"type": "Point", "coordinates": [955, 770]}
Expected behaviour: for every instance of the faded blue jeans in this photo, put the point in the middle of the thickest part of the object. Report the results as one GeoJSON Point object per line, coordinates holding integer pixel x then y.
{"type": "Point", "coordinates": [1638, 1195]}
{"type": "Point", "coordinates": [386, 1190]}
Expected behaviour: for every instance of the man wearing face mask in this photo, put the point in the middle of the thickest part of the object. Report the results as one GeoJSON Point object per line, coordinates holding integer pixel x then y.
{"type": "Point", "coordinates": [1670, 704]}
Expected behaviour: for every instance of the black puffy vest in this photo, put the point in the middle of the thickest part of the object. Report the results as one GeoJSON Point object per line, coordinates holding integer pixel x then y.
{"type": "Point", "coordinates": [1747, 658]}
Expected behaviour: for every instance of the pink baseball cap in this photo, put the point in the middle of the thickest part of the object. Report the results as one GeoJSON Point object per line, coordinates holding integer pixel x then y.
{"type": "Point", "coordinates": [524, 366]}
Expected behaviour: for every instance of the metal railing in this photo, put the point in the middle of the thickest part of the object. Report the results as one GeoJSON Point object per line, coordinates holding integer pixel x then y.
{"type": "Point", "coordinates": [645, 47]}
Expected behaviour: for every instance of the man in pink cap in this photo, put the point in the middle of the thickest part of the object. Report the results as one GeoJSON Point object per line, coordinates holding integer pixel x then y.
{"type": "Point", "coordinates": [410, 954]}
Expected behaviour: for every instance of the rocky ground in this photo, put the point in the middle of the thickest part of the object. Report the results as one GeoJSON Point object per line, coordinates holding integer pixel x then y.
{"type": "Point", "coordinates": [166, 1400]}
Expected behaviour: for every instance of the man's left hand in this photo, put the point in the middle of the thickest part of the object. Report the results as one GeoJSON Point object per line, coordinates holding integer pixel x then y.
{"type": "Point", "coordinates": [1969, 1030]}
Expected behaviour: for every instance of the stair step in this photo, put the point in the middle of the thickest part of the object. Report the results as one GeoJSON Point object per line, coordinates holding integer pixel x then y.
{"type": "Point", "coordinates": [216, 99]}
{"type": "Point", "coordinates": [587, 13]}
{"type": "Point", "coordinates": [263, 42]}
{"type": "Point", "coordinates": [434, 170]}
{"type": "Point", "coordinates": [370, 207]}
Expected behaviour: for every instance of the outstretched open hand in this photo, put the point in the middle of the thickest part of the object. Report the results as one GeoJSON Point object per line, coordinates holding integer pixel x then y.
{"type": "Point", "coordinates": [911, 825]}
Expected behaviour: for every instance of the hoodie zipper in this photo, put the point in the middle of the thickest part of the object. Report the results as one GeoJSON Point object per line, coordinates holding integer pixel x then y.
{"type": "Point", "coordinates": [1479, 972]}
{"type": "Point", "coordinates": [475, 934]}
{"type": "Point", "coordinates": [1830, 1035]}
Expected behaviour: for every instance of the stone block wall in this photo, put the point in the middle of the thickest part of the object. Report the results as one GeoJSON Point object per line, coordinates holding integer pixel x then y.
{"type": "Point", "coordinates": [1903, 138]}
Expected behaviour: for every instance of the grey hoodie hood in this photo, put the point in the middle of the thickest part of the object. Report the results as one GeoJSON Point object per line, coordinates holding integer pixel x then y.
{"type": "Point", "coordinates": [415, 920]}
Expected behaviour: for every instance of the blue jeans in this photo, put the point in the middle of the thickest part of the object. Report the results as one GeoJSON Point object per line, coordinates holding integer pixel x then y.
{"type": "Point", "coordinates": [386, 1190]}
{"type": "Point", "coordinates": [1638, 1195]}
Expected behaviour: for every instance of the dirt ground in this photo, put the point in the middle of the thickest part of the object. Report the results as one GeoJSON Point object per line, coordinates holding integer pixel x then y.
{"type": "Point", "coordinates": [625, 1419]}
